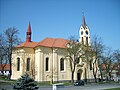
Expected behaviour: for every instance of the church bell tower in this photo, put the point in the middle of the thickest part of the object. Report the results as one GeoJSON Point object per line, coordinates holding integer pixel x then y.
{"type": "Point", "coordinates": [28, 33]}
{"type": "Point", "coordinates": [84, 33]}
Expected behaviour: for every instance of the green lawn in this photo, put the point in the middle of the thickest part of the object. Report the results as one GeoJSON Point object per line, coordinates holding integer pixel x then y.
{"type": "Point", "coordinates": [113, 89]}
{"type": "Point", "coordinates": [48, 83]}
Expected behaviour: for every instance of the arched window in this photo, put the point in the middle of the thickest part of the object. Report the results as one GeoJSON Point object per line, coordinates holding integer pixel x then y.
{"type": "Point", "coordinates": [61, 64]}
{"type": "Point", "coordinates": [81, 32]}
{"type": "Point", "coordinates": [90, 64]}
{"type": "Point", "coordinates": [82, 40]}
{"type": "Point", "coordinates": [28, 64]}
{"type": "Point", "coordinates": [18, 64]}
{"type": "Point", "coordinates": [86, 40]}
{"type": "Point", "coordinates": [86, 32]}
{"type": "Point", "coordinates": [47, 64]}
{"type": "Point", "coordinates": [77, 60]}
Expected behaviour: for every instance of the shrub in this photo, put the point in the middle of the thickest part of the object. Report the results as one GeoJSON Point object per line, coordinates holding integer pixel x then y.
{"type": "Point", "coordinates": [25, 83]}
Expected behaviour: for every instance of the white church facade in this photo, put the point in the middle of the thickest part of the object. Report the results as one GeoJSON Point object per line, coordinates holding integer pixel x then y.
{"type": "Point", "coordinates": [44, 60]}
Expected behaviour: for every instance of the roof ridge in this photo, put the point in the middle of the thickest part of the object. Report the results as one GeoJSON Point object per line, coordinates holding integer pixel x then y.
{"type": "Point", "coordinates": [54, 42]}
{"type": "Point", "coordinates": [55, 38]}
{"type": "Point", "coordinates": [27, 44]}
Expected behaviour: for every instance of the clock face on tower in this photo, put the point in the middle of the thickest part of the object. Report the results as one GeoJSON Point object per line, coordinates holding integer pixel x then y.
{"type": "Point", "coordinates": [28, 35]}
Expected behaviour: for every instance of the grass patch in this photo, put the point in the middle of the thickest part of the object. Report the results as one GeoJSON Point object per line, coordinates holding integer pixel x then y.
{"type": "Point", "coordinates": [4, 81]}
{"type": "Point", "coordinates": [2, 77]}
{"type": "Point", "coordinates": [113, 89]}
{"type": "Point", "coordinates": [105, 82]}
{"type": "Point", "coordinates": [49, 84]}
{"type": "Point", "coordinates": [43, 83]}
{"type": "Point", "coordinates": [65, 83]}
{"type": "Point", "coordinates": [7, 83]}
{"type": "Point", "coordinates": [68, 83]}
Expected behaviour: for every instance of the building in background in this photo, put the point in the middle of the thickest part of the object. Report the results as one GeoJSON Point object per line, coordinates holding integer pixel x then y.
{"type": "Point", "coordinates": [4, 69]}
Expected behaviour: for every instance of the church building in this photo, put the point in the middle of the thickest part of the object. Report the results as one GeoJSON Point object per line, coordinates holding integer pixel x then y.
{"type": "Point", "coordinates": [45, 60]}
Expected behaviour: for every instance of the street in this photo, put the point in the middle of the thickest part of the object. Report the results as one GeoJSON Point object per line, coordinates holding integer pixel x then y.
{"type": "Point", "coordinates": [71, 87]}
{"type": "Point", "coordinates": [86, 87]}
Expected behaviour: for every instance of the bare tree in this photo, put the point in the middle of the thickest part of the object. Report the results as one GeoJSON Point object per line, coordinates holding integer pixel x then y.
{"type": "Point", "coordinates": [117, 59]}
{"type": "Point", "coordinates": [94, 52]}
{"type": "Point", "coordinates": [75, 52]}
{"type": "Point", "coordinates": [11, 39]}
{"type": "Point", "coordinates": [3, 53]}
{"type": "Point", "coordinates": [111, 62]}
{"type": "Point", "coordinates": [89, 56]}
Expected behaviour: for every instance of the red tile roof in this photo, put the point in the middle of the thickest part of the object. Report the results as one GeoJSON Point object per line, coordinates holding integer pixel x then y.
{"type": "Point", "coordinates": [27, 44]}
{"type": "Point", "coordinates": [7, 66]}
{"type": "Point", "coordinates": [47, 42]}
{"type": "Point", "coordinates": [53, 42]}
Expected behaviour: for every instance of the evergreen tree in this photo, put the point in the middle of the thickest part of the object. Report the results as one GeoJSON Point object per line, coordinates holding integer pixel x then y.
{"type": "Point", "coordinates": [25, 83]}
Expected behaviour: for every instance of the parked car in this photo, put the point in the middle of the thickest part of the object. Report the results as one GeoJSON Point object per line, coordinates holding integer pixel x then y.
{"type": "Point", "coordinates": [79, 83]}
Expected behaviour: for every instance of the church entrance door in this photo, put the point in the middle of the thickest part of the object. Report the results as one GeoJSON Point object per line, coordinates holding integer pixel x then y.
{"type": "Point", "coordinates": [79, 73]}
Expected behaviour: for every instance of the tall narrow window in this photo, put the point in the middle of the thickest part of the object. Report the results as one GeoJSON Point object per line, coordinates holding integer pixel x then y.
{"type": "Point", "coordinates": [77, 60]}
{"type": "Point", "coordinates": [86, 40]}
{"type": "Point", "coordinates": [81, 32]}
{"type": "Point", "coordinates": [18, 64]}
{"type": "Point", "coordinates": [90, 64]}
{"type": "Point", "coordinates": [47, 64]}
{"type": "Point", "coordinates": [28, 64]}
{"type": "Point", "coordinates": [61, 64]}
{"type": "Point", "coordinates": [82, 40]}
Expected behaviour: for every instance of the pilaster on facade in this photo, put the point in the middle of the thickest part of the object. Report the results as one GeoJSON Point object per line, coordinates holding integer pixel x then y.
{"type": "Point", "coordinates": [37, 65]}
{"type": "Point", "coordinates": [55, 64]}
{"type": "Point", "coordinates": [41, 66]}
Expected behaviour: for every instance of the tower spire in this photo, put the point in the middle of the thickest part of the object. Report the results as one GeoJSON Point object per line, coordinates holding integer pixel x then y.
{"type": "Point", "coordinates": [29, 28]}
{"type": "Point", "coordinates": [84, 32]}
{"type": "Point", "coordinates": [28, 33]}
{"type": "Point", "coordinates": [83, 21]}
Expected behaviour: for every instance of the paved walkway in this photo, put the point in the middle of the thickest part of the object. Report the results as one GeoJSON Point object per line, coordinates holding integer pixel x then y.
{"type": "Point", "coordinates": [93, 87]}
{"type": "Point", "coordinates": [86, 87]}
